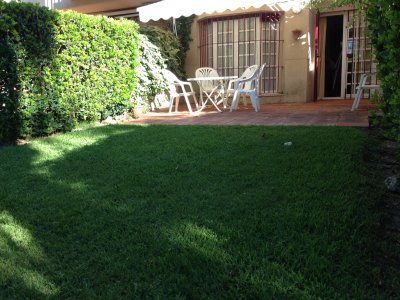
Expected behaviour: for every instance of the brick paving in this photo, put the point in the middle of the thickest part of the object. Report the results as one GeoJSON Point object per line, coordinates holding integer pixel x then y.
{"type": "Point", "coordinates": [320, 113]}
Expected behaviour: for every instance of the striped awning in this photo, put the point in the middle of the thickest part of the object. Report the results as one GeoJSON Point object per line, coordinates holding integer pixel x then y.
{"type": "Point", "coordinates": [167, 9]}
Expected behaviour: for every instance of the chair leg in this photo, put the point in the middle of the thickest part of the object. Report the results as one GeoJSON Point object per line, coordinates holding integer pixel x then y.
{"type": "Point", "coordinates": [225, 100]}
{"type": "Point", "coordinates": [235, 101]}
{"type": "Point", "coordinates": [221, 95]}
{"type": "Point", "coordinates": [255, 101]}
{"type": "Point", "coordinates": [195, 101]}
{"type": "Point", "coordinates": [357, 98]}
{"type": "Point", "coordinates": [188, 103]}
{"type": "Point", "coordinates": [201, 97]}
{"type": "Point", "coordinates": [177, 103]}
{"type": "Point", "coordinates": [171, 103]}
{"type": "Point", "coordinates": [359, 93]}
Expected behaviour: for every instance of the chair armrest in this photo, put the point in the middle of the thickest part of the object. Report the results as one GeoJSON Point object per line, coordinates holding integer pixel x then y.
{"type": "Point", "coordinates": [190, 86]}
{"type": "Point", "coordinates": [233, 83]}
{"type": "Point", "coordinates": [183, 84]}
{"type": "Point", "coordinates": [252, 77]}
{"type": "Point", "coordinates": [186, 83]}
{"type": "Point", "coordinates": [242, 81]}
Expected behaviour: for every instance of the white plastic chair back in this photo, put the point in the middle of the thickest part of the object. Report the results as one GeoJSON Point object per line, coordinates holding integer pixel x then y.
{"type": "Point", "coordinates": [171, 77]}
{"type": "Point", "coordinates": [260, 71]}
{"type": "Point", "coordinates": [248, 84]}
{"type": "Point", "coordinates": [206, 85]}
{"type": "Point", "coordinates": [249, 72]}
{"type": "Point", "coordinates": [177, 89]}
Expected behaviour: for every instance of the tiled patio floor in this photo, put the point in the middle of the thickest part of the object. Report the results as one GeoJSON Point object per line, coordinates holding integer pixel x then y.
{"type": "Point", "coordinates": [321, 113]}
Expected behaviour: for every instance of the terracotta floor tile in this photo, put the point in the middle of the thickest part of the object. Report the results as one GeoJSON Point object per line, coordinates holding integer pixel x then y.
{"type": "Point", "coordinates": [321, 113]}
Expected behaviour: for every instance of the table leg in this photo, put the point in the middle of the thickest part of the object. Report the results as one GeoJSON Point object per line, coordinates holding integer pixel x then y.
{"type": "Point", "coordinates": [211, 100]}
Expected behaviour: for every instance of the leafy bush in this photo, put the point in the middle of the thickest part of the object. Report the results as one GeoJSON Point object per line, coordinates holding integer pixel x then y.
{"type": "Point", "coordinates": [169, 46]}
{"type": "Point", "coordinates": [57, 69]}
{"type": "Point", "coordinates": [384, 23]}
{"type": "Point", "coordinates": [150, 79]}
{"type": "Point", "coordinates": [26, 45]}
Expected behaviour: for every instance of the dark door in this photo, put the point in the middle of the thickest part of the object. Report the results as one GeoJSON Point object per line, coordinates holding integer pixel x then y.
{"type": "Point", "coordinates": [333, 56]}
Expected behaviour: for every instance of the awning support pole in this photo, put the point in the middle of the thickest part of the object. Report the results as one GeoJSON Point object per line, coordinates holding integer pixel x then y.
{"type": "Point", "coordinates": [174, 27]}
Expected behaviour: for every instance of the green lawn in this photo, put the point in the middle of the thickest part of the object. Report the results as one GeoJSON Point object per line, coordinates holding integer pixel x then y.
{"type": "Point", "coordinates": [188, 213]}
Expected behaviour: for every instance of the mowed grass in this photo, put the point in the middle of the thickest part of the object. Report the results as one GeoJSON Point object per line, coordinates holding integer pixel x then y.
{"type": "Point", "coordinates": [133, 212]}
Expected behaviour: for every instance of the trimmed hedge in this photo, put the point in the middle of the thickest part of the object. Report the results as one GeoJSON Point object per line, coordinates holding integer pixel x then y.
{"type": "Point", "coordinates": [57, 69]}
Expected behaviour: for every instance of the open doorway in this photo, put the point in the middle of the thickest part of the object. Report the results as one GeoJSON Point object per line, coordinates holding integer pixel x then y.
{"type": "Point", "coordinates": [331, 64]}
{"type": "Point", "coordinates": [333, 56]}
{"type": "Point", "coordinates": [344, 53]}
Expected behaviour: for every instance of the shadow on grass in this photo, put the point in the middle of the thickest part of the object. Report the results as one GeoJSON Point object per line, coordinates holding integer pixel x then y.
{"type": "Point", "coordinates": [23, 262]}
{"type": "Point", "coordinates": [159, 211]}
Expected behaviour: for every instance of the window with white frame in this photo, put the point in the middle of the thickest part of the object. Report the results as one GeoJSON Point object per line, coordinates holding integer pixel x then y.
{"type": "Point", "coordinates": [231, 44]}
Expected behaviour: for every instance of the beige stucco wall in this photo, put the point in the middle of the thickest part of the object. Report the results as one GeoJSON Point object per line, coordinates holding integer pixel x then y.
{"type": "Point", "coordinates": [297, 55]}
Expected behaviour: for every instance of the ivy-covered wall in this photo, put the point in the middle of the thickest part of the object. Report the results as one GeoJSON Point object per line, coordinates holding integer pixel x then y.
{"type": "Point", "coordinates": [57, 69]}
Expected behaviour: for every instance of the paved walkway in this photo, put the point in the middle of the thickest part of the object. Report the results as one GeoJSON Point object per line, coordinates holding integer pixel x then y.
{"type": "Point", "coordinates": [321, 113]}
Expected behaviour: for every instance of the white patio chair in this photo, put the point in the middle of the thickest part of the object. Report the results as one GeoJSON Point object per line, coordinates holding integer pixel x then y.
{"type": "Point", "coordinates": [247, 84]}
{"type": "Point", "coordinates": [362, 85]}
{"type": "Point", "coordinates": [177, 89]}
{"type": "Point", "coordinates": [209, 87]}
{"type": "Point", "coordinates": [233, 84]}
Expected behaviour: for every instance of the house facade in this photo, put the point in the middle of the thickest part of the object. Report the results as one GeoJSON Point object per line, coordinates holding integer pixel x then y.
{"type": "Point", "coordinates": [308, 55]}
{"type": "Point", "coordinates": [283, 40]}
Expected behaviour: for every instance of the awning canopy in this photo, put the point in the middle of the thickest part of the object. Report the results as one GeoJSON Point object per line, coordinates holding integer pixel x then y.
{"type": "Point", "coordinates": [177, 8]}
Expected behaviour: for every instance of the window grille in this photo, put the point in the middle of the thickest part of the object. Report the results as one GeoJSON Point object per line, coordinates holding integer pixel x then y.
{"type": "Point", "coordinates": [359, 58]}
{"type": "Point", "coordinates": [231, 44]}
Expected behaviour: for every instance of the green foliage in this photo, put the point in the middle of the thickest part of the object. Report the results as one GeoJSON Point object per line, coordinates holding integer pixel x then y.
{"type": "Point", "coordinates": [150, 79]}
{"type": "Point", "coordinates": [184, 30]}
{"type": "Point", "coordinates": [324, 5]}
{"type": "Point", "coordinates": [97, 64]}
{"type": "Point", "coordinates": [58, 69]}
{"type": "Point", "coordinates": [169, 46]}
{"type": "Point", "coordinates": [384, 24]}
{"type": "Point", "coordinates": [174, 48]}
{"type": "Point", "coordinates": [26, 45]}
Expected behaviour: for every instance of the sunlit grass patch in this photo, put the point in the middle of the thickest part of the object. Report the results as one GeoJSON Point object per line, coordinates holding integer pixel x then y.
{"type": "Point", "coordinates": [20, 255]}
